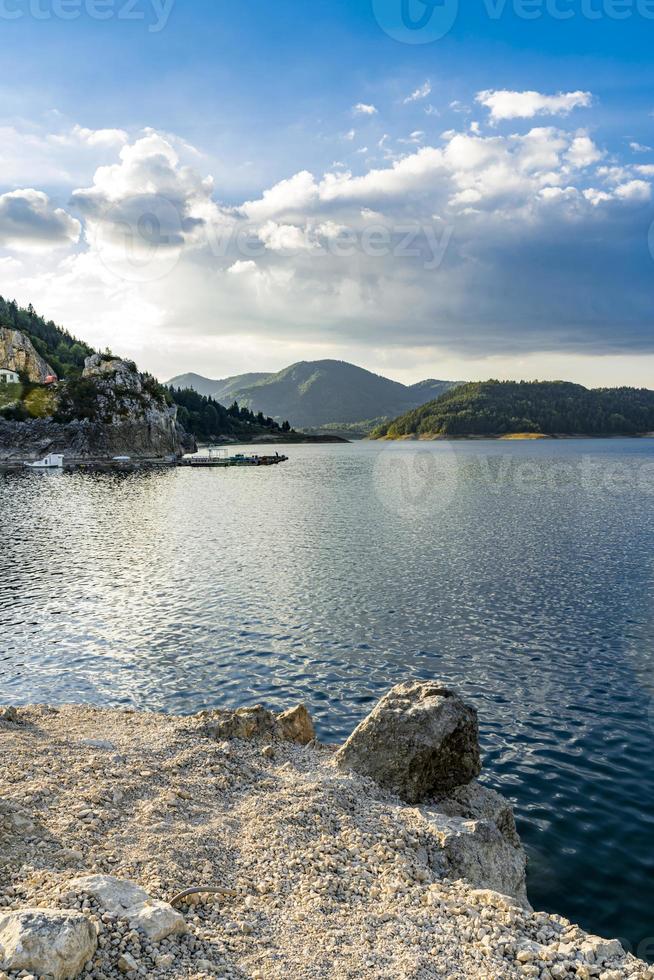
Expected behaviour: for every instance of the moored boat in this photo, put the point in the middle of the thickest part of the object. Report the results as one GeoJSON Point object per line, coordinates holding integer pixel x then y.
{"type": "Point", "coordinates": [53, 461]}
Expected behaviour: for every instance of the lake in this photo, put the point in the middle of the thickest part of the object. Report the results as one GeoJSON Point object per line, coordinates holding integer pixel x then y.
{"type": "Point", "coordinates": [520, 573]}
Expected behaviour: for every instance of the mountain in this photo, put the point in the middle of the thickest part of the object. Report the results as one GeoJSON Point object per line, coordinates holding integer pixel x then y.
{"type": "Point", "coordinates": [498, 408]}
{"type": "Point", "coordinates": [223, 391]}
{"type": "Point", "coordinates": [319, 394]}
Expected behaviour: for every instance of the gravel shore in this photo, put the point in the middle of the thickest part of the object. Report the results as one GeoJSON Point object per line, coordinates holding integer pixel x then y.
{"type": "Point", "coordinates": [321, 873]}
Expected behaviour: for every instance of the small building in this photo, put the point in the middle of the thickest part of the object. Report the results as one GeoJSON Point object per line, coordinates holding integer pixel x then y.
{"type": "Point", "coordinates": [8, 377]}
{"type": "Point", "coordinates": [50, 379]}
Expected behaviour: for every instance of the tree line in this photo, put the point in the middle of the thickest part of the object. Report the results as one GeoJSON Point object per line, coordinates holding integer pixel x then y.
{"type": "Point", "coordinates": [541, 407]}
{"type": "Point", "coordinates": [206, 419]}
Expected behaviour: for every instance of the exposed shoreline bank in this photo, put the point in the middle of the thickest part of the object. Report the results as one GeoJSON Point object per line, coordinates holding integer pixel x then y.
{"type": "Point", "coordinates": [321, 871]}
{"type": "Point", "coordinates": [508, 437]}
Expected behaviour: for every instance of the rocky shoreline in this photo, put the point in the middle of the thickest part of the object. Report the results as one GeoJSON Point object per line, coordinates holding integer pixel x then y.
{"type": "Point", "coordinates": [384, 858]}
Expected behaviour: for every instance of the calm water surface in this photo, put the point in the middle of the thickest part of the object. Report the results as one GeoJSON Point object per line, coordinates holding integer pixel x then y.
{"type": "Point", "coordinates": [521, 573]}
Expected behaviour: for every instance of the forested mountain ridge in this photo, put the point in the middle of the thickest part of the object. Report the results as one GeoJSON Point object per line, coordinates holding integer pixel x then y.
{"type": "Point", "coordinates": [497, 408]}
{"type": "Point", "coordinates": [319, 394]}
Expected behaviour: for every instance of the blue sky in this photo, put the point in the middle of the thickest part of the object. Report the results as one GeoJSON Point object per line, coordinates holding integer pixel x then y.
{"type": "Point", "coordinates": [251, 94]}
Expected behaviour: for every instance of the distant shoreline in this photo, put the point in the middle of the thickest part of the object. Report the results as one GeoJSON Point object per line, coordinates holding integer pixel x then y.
{"type": "Point", "coordinates": [511, 437]}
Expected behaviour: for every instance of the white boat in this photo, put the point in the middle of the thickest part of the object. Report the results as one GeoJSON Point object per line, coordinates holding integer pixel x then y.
{"type": "Point", "coordinates": [53, 461]}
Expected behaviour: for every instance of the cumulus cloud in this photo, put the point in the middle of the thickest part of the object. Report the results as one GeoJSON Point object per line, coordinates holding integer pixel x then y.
{"type": "Point", "coordinates": [148, 201]}
{"type": "Point", "coordinates": [293, 194]}
{"type": "Point", "coordinates": [480, 243]}
{"type": "Point", "coordinates": [420, 93]}
{"type": "Point", "coordinates": [583, 152]}
{"type": "Point", "coordinates": [505, 104]}
{"type": "Point", "coordinates": [364, 109]}
{"type": "Point", "coordinates": [28, 220]}
{"type": "Point", "coordinates": [634, 190]}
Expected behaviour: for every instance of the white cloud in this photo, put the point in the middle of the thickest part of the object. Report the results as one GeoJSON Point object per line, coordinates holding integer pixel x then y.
{"type": "Point", "coordinates": [29, 221]}
{"type": "Point", "coordinates": [96, 137]}
{"type": "Point", "coordinates": [640, 148]}
{"type": "Point", "coordinates": [286, 238]}
{"type": "Point", "coordinates": [522, 213]}
{"type": "Point", "coordinates": [294, 193]}
{"type": "Point", "coordinates": [242, 268]}
{"type": "Point", "coordinates": [634, 190]}
{"type": "Point", "coordinates": [146, 201]}
{"type": "Point", "coordinates": [596, 197]}
{"type": "Point", "coordinates": [420, 93]}
{"type": "Point", "coordinates": [583, 152]}
{"type": "Point", "coordinates": [364, 109]}
{"type": "Point", "coordinates": [506, 104]}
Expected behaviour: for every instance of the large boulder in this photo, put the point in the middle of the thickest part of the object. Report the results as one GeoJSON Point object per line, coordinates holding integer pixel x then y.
{"type": "Point", "coordinates": [46, 942]}
{"type": "Point", "coordinates": [419, 741]}
{"type": "Point", "coordinates": [155, 918]}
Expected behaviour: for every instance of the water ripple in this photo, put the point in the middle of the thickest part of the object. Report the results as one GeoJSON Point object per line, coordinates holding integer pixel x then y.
{"type": "Point", "coordinates": [522, 574]}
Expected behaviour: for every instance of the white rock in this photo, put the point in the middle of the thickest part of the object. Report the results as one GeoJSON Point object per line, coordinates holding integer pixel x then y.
{"type": "Point", "coordinates": [98, 743]}
{"type": "Point", "coordinates": [113, 894]}
{"type": "Point", "coordinates": [157, 920]}
{"type": "Point", "coordinates": [125, 898]}
{"type": "Point", "coordinates": [48, 941]}
{"type": "Point", "coordinates": [127, 963]}
{"type": "Point", "coordinates": [598, 950]}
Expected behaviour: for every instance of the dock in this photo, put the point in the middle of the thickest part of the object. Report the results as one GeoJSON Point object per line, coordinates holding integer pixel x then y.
{"type": "Point", "coordinates": [239, 459]}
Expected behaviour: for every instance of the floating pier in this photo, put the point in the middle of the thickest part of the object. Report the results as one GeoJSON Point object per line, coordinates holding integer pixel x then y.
{"type": "Point", "coordinates": [210, 460]}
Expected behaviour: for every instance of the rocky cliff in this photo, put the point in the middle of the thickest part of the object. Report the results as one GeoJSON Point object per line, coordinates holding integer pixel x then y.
{"type": "Point", "coordinates": [17, 353]}
{"type": "Point", "coordinates": [111, 410]}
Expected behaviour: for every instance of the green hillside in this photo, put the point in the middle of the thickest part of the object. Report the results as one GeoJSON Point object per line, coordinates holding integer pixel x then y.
{"type": "Point", "coordinates": [496, 408]}
{"type": "Point", "coordinates": [202, 416]}
{"type": "Point", "coordinates": [318, 395]}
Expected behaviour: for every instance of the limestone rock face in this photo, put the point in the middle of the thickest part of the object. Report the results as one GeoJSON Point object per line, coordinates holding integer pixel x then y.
{"type": "Point", "coordinates": [17, 353]}
{"type": "Point", "coordinates": [293, 725]}
{"type": "Point", "coordinates": [127, 417]}
{"type": "Point", "coordinates": [46, 942]}
{"type": "Point", "coordinates": [155, 918]}
{"type": "Point", "coordinates": [420, 740]}
{"type": "Point", "coordinates": [476, 839]}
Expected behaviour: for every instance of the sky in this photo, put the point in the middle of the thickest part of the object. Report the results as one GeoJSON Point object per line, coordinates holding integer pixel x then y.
{"type": "Point", "coordinates": [427, 188]}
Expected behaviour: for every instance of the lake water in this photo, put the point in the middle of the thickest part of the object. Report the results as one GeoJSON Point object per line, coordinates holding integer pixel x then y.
{"type": "Point", "coordinates": [520, 573]}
